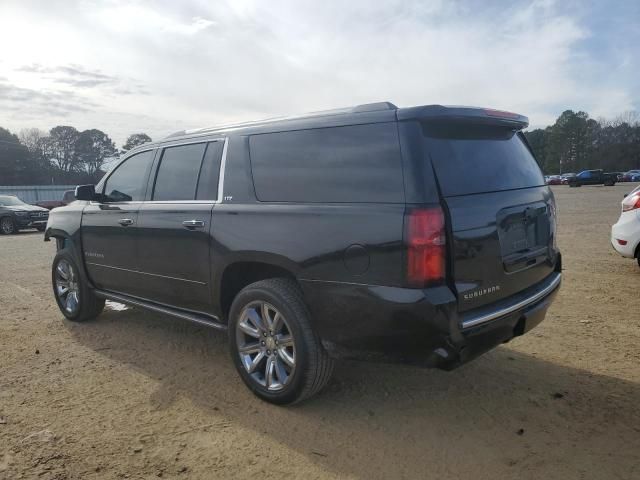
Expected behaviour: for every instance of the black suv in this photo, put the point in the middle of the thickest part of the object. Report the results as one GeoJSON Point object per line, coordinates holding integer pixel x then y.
{"type": "Point", "coordinates": [421, 235]}
{"type": "Point", "coordinates": [16, 215]}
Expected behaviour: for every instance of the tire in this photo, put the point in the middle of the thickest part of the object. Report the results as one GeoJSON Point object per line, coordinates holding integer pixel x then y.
{"type": "Point", "coordinates": [41, 229]}
{"type": "Point", "coordinates": [312, 366]}
{"type": "Point", "coordinates": [79, 303]}
{"type": "Point", "coordinates": [7, 226]}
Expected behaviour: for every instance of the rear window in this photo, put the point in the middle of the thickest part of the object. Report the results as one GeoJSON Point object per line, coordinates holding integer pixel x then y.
{"type": "Point", "coordinates": [478, 158]}
{"type": "Point", "coordinates": [357, 163]}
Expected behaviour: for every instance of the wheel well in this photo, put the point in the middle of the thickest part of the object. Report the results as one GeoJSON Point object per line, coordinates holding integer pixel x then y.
{"type": "Point", "coordinates": [238, 275]}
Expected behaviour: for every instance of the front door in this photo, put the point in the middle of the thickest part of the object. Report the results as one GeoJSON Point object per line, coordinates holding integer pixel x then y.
{"type": "Point", "coordinates": [174, 227]}
{"type": "Point", "coordinates": [109, 226]}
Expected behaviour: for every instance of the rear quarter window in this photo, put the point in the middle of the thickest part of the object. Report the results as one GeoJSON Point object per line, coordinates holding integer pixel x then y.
{"type": "Point", "coordinates": [358, 163]}
{"type": "Point", "coordinates": [472, 159]}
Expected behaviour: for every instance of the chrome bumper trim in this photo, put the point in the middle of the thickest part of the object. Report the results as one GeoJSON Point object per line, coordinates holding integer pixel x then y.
{"type": "Point", "coordinates": [474, 321]}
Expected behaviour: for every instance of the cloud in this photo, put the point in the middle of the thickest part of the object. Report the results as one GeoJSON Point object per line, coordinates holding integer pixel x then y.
{"type": "Point", "coordinates": [30, 102]}
{"type": "Point", "coordinates": [162, 66]}
{"type": "Point", "coordinates": [73, 75]}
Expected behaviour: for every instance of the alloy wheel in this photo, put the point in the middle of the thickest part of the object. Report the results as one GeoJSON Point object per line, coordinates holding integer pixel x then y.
{"type": "Point", "coordinates": [6, 225]}
{"type": "Point", "coordinates": [265, 345]}
{"type": "Point", "coordinates": [67, 287]}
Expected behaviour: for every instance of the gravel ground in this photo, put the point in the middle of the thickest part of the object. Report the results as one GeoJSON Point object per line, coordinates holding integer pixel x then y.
{"type": "Point", "coordinates": [137, 395]}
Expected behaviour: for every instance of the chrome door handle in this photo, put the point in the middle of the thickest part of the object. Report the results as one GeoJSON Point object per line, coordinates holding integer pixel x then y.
{"type": "Point", "coordinates": [125, 222]}
{"type": "Point", "coordinates": [192, 224]}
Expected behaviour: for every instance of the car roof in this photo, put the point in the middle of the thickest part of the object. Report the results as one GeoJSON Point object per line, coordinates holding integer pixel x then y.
{"type": "Point", "coordinates": [356, 115]}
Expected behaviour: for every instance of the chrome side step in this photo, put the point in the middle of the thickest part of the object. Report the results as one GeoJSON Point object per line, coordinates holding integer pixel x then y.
{"type": "Point", "coordinates": [200, 318]}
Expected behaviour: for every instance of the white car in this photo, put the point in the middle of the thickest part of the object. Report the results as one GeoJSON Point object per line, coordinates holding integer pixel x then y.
{"type": "Point", "coordinates": [625, 235]}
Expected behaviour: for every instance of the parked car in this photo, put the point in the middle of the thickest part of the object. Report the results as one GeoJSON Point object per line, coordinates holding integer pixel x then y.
{"type": "Point", "coordinates": [631, 176]}
{"type": "Point", "coordinates": [341, 234]}
{"type": "Point", "coordinates": [67, 198]}
{"type": "Point", "coordinates": [565, 178]}
{"type": "Point", "coordinates": [554, 180]}
{"type": "Point", "coordinates": [16, 215]}
{"type": "Point", "coordinates": [592, 177]}
{"type": "Point", "coordinates": [625, 234]}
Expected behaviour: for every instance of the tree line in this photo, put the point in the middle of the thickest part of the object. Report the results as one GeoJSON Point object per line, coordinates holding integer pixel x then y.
{"type": "Point", "coordinates": [576, 142]}
{"type": "Point", "coordinates": [63, 155]}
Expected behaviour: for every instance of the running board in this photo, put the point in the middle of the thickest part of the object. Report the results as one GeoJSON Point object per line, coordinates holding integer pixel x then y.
{"type": "Point", "coordinates": [200, 318]}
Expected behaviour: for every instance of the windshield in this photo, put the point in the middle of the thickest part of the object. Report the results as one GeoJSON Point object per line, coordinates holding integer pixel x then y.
{"type": "Point", "coordinates": [11, 201]}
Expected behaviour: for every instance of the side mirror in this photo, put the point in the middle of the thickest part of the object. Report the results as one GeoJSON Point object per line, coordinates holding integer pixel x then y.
{"type": "Point", "coordinates": [85, 192]}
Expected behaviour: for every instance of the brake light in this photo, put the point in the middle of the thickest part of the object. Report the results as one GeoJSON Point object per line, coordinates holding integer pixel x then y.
{"type": "Point", "coordinates": [631, 202]}
{"type": "Point", "coordinates": [500, 113]}
{"type": "Point", "coordinates": [426, 242]}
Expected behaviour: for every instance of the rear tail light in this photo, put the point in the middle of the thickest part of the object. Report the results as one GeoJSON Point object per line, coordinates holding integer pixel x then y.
{"type": "Point", "coordinates": [500, 113]}
{"type": "Point", "coordinates": [621, 242]}
{"type": "Point", "coordinates": [426, 242]}
{"type": "Point", "coordinates": [631, 202]}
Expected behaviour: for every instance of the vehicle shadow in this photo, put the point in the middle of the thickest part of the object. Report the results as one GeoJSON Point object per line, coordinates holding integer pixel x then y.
{"type": "Point", "coordinates": [508, 414]}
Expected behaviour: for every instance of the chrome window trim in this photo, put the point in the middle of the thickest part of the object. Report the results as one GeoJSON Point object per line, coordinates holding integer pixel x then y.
{"type": "Point", "coordinates": [480, 319]}
{"type": "Point", "coordinates": [223, 162]}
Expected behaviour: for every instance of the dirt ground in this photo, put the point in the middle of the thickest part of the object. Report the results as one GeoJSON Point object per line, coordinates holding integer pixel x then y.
{"type": "Point", "coordinates": [137, 395]}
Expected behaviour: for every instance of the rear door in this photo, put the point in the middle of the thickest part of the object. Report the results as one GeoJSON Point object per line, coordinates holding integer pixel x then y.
{"type": "Point", "coordinates": [502, 213]}
{"type": "Point", "coordinates": [109, 226]}
{"type": "Point", "coordinates": [174, 226]}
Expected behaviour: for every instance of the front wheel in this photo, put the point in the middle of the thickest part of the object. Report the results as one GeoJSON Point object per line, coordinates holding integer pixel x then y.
{"type": "Point", "coordinates": [273, 346]}
{"type": "Point", "coordinates": [7, 226]}
{"type": "Point", "coordinates": [74, 297]}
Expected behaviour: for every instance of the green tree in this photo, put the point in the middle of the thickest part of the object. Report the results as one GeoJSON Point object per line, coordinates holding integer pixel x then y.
{"type": "Point", "coordinates": [92, 148]}
{"type": "Point", "coordinates": [60, 148]}
{"type": "Point", "coordinates": [135, 140]}
{"type": "Point", "coordinates": [12, 156]}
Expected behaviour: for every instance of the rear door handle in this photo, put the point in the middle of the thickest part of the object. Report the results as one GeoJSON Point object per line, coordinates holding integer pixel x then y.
{"type": "Point", "coordinates": [125, 222]}
{"type": "Point", "coordinates": [193, 224]}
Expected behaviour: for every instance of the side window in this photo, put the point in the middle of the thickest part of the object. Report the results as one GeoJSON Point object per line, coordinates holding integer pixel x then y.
{"type": "Point", "coordinates": [128, 181]}
{"type": "Point", "coordinates": [586, 174]}
{"type": "Point", "coordinates": [210, 173]}
{"type": "Point", "coordinates": [357, 163]}
{"type": "Point", "coordinates": [177, 175]}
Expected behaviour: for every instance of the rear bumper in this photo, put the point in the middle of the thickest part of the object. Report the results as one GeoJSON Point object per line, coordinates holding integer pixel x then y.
{"type": "Point", "coordinates": [419, 327]}
{"type": "Point", "coordinates": [626, 229]}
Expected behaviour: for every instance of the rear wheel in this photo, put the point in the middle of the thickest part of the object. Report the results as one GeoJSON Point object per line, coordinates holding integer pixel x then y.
{"type": "Point", "coordinates": [75, 299]}
{"type": "Point", "coordinates": [7, 226]}
{"type": "Point", "coordinates": [272, 344]}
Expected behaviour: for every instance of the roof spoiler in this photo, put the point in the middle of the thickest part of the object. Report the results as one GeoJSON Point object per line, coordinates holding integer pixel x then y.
{"type": "Point", "coordinates": [486, 116]}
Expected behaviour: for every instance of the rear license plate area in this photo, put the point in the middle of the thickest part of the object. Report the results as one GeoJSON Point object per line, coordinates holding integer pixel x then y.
{"type": "Point", "coordinates": [524, 233]}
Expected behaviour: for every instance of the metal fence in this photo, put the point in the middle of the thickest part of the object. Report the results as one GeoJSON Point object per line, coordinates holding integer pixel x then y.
{"type": "Point", "coordinates": [36, 193]}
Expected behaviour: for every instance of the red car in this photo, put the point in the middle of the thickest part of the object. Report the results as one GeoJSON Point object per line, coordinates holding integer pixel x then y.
{"type": "Point", "coordinates": [68, 197]}
{"type": "Point", "coordinates": [554, 180]}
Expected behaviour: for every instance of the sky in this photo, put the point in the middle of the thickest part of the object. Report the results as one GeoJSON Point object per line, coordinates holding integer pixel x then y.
{"type": "Point", "coordinates": [158, 67]}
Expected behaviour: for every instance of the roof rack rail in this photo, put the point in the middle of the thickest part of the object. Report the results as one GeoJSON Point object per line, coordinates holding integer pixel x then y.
{"type": "Point", "coordinates": [365, 107]}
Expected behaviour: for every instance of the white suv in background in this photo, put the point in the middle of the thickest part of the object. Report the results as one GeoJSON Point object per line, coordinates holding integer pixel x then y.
{"type": "Point", "coordinates": [625, 235]}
